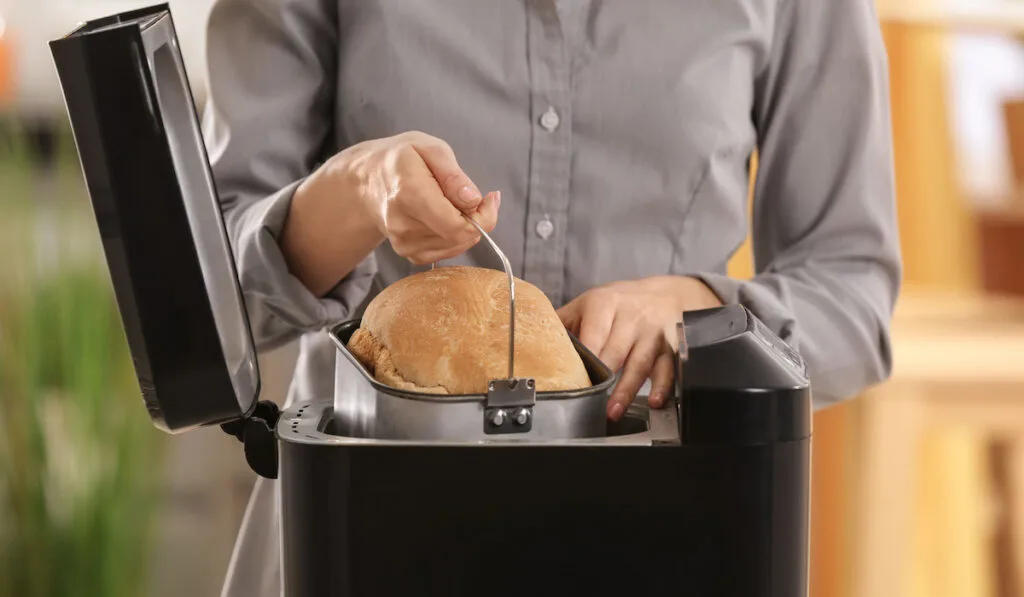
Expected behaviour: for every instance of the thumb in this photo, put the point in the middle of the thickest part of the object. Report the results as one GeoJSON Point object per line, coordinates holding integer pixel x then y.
{"type": "Point", "coordinates": [456, 186]}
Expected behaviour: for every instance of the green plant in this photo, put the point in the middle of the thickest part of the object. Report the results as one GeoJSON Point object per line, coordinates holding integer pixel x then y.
{"type": "Point", "coordinates": [78, 456]}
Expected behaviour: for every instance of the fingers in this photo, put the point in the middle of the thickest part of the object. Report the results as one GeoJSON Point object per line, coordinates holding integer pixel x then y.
{"type": "Point", "coordinates": [570, 315]}
{"type": "Point", "coordinates": [596, 318]}
{"type": "Point", "coordinates": [420, 245]}
{"type": "Point", "coordinates": [662, 378]}
{"type": "Point", "coordinates": [487, 213]}
{"type": "Point", "coordinates": [454, 183]}
{"type": "Point", "coordinates": [431, 209]}
{"type": "Point", "coordinates": [439, 197]}
{"type": "Point", "coordinates": [635, 372]}
{"type": "Point", "coordinates": [623, 335]}
{"type": "Point", "coordinates": [418, 196]}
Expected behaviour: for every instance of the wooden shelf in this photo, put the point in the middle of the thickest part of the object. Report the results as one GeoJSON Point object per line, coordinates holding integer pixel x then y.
{"type": "Point", "coordinates": [984, 16]}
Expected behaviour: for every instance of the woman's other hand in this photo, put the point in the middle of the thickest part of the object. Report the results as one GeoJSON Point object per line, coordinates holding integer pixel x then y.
{"type": "Point", "coordinates": [407, 189]}
{"type": "Point", "coordinates": [631, 326]}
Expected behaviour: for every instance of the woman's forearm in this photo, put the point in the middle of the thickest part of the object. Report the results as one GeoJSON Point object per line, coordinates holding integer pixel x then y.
{"type": "Point", "coordinates": [326, 235]}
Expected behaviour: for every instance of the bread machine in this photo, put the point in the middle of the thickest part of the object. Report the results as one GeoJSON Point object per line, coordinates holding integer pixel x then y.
{"type": "Point", "coordinates": [385, 492]}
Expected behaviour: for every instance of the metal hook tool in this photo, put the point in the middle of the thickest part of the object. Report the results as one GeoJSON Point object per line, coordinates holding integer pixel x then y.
{"type": "Point", "coordinates": [511, 296]}
{"type": "Point", "coordinates": [509, 407]}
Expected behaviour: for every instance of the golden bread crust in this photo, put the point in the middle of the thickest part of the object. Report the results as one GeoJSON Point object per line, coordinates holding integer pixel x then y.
{"type": "Point", "coordinates": [445, 331]}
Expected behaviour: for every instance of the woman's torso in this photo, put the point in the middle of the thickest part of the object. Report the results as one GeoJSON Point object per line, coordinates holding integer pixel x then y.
{"type": "Point", "coordinates": [641, 164]}
{"type": "Point", "coordinates": [619, 133]}
{"type": "Point", "coordinates": [641, 171]}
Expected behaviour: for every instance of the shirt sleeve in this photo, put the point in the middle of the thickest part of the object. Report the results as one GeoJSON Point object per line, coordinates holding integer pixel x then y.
{"type": "Point", "coordinates": [825, 237]}
{"type": "Point", "coordinates": [267, 123]}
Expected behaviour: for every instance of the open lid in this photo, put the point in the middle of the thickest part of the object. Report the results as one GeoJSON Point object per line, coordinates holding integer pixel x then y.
{"type": "Point", "coordinates": [163, 234]}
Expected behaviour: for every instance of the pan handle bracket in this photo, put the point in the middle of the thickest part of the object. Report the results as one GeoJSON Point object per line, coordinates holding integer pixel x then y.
{"type": "Point", "coordinates": [509, 406]}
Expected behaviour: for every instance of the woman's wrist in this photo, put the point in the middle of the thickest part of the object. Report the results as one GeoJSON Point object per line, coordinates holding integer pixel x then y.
{"type": "Point", "coordinates": [328, 231]}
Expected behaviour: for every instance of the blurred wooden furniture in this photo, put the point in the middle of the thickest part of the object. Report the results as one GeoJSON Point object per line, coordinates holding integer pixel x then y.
{"type": "Point", "coordinates": [1007, 470]}
{"type": "Point", "coordinates": [1001, 239]}
{"type": "Point", "coordinates": [831, 500]}
{"type": "Point", "coordinates": [6, 66]}
{"type": "Point", "coordinates": [936, 226]}
{"type": "Point", "coordinates": [959, 364]}
{"type": "Point", "coordinates": [1013, 115]}
{"type": "Point", "coordinates": [976, 16]}
{"type": "Point", "coordinates": [919, 539]}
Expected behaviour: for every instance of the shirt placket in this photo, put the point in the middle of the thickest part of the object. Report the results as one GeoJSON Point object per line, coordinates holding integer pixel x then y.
{"type": "Point", "coordinates": [550, 151]}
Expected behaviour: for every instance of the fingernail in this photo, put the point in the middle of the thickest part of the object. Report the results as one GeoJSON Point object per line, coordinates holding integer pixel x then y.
{"type": "Point", "coordinates": [468, 196]}
{"type": "Point", "coordinates": [497, 200]}
{"type": "Point", "coordinates": [655, 399]}
{"type": "Point", "coordinates": [615, 411]}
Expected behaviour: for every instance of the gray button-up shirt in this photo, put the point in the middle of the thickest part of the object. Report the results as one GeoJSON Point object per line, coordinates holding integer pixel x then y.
{"type": "Point", "coordinates": [620, 135]}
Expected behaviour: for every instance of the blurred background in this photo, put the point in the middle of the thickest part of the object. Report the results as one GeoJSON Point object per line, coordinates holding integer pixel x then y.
{"type": "Point", "coordinates": [918, 485]}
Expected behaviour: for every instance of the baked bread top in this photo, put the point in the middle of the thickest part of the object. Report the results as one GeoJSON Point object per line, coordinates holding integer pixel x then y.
{"type": "Point", "coordinates": [445, 331]}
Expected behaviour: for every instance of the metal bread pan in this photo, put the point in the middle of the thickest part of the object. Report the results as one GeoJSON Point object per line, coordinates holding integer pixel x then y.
{"type": "Point", "coordinates": [366, 408]}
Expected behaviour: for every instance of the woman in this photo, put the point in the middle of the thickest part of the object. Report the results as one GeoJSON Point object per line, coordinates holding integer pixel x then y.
{"type": "Point", "coordinates": [605, 144]}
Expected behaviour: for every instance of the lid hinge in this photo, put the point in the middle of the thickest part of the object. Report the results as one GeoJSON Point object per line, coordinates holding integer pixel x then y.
{"type": "Point", "coordinates": [256, 432]}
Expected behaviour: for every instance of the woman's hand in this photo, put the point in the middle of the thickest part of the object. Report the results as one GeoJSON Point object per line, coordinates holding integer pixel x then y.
{"type": "Point", "coordinates": [416, 193]}
{"type": "Point", "coordinates": [408, 189]}
{"type": "Point", "coordinates": [632, 325]}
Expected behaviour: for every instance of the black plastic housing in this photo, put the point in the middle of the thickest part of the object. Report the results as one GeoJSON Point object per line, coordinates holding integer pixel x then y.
{"type": "Point", "coordinates": [723, 511]}
{"type": "Point", "coordinates": [708, 520]}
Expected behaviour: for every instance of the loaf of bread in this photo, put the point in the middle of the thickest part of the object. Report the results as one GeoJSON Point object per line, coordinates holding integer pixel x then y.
{"type": "Point", "coordinates": [445, 331]}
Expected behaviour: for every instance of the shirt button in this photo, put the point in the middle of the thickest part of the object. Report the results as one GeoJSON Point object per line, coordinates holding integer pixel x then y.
{"type": "Point", "coordinates": [549, 120]}
{"type": "Point", "coordinates": [545, 228]}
